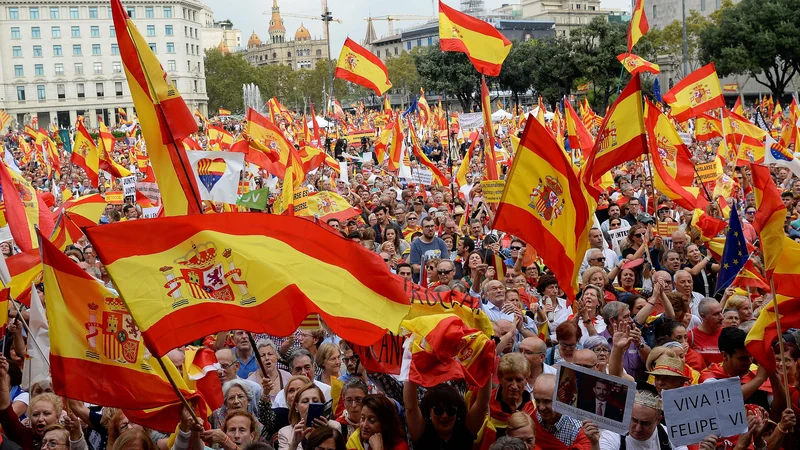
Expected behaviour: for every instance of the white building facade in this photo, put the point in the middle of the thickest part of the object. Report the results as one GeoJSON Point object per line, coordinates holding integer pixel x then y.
{"type": "Point", "coordinates": [60, 59]}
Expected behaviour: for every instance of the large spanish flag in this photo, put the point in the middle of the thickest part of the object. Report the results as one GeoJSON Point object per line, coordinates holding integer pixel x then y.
{"type": "Point", "coordinates": [674, 170]}
{"type": "Point", "coordinates": [770, 216]}
{"type": "Point", "coordinates": [621, 137]}
{"type": "Point", "coordinates": [638, 26]}
{"type": "Point", "coordinates": [163, 116]}
{"type": "Point", "coordinates": [635, 64]}
{"type": "Point", "coordinates": [106, 150]}
{"type": "Point", "coordinates": [358, 65]}
{"type": "Point", "coordinates": [486, 108]}
{"type": "Point", "coordinates": [764, 332]}
{"type": "Point", "coordinates": [695, 94]}
{"type": "Point", "coordinates": [544, 204]}
{"type": "Point", "coordinates": [24, 209]}
{"type": "Point", "coordinates": [85, 154]}
{"type": "Point", "coordinates": [786, 273]}
{"type": "Point", "coordinates": [183, 278]}
{"type": "Point", "coordinates": [486, 47]}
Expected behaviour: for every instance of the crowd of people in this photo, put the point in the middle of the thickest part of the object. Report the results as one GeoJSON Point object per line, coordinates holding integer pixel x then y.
{"type": "Point", "coordinates": [647, 311]}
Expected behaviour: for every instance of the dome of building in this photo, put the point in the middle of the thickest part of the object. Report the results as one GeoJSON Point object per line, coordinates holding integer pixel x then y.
{"type": "Point", "coordinates": [254, 41]}
{"type": "Point", "coordinates": [223, 48]}
{"type": "Point", "coordinates": [302, 34]}
{"type": "Point", "coordinates": [276, 22]}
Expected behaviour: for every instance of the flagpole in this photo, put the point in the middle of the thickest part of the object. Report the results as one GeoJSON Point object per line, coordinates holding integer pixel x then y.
{"type": "Point", "coordinates": [177, 390]}
{"type": "Point", "coordinates": [257, 355]}
{"type": "Point", "coordinates": [780, 340]}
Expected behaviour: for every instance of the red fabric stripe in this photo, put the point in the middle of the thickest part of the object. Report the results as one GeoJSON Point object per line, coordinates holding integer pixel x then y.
{"type": "Point", "coordinates": [345, 74]}
{"type": "Point", "coordinates": [355, 48]}
{"type": "Point", "coordinates": [455, 45]}
{"type": "Point", "coordinates": [467, 21]}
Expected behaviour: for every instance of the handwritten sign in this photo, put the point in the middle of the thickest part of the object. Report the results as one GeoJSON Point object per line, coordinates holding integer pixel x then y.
{"type": "Point", "coordinates": [384, 356]}
{"type": "Point", "coordinates": [421, 176]}
{"type": "Point", "coordinates": [129, 186]}
{"type": "Point", "coordinates": [616, 237]}
{"type": "Point", "coordinates": [300, 200]}
{"type": "Point", "coordinates": [493, 190]}
{"type": "Point", "coordinates": [115, 197]}
{"type": "Point", "coordinates": [694, 412]}
{"type": "Point", "coordinates": [707, 172]}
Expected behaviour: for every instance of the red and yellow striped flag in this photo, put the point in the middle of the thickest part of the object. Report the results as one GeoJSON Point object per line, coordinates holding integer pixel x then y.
{"type": "Point", "coordinates": [24, 268]}
{"type": "Point", "coordinates": [770, 216]}
{"type": "Point", "coordinates": [106, 149]}
{"type": "Point", "coordinates": [544, 204]}
{"type": "Point", "coordinates": [761, 337]}
{"type": "Point", "coordinates": [5, 120]}
{"type": "Point", "coordinates": [486, 108]}
{"type": "Point", "coordinates": [486, 47]}
{"type": "Point", "coordinates": [359, 66]}
{"type": "Point", "coordinates": [86, 210]}
{"type": "Point", "coordinates": [85, 154]}
{"type": "Point", "coordinates": [636, 64]}
{"type": "Point", "coordinates": [424, 109]}
{"type": "Point", "coordinates": [697, 93]}
{"type": "Point", "coordinates": [163, 116]}
{"type": "Point", "coordinates": [745, 137]}
{"type": "Point", "coordinates": [638, 26]}
{"type": "Point", "coordinates": [707, 128]}
{"type": "Point", "coordinates": [263, 272]}
{"type": "Point", "coordinates": [438, 176]}
{"type": "Point", "coordinates": [578, 136]}
{"type": "Point", "coordinates": [263, 143]}
{"type": "Point", "coordinates": [24, 209]}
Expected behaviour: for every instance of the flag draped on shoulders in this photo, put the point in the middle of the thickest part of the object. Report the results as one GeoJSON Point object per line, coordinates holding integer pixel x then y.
{"type": "Point", "coordinates": [164, 118]}
{"type": "Point", "coordinates": [544, 204]}
{"type": "Point", "coordinates": [263, 273]}
{"type": "Point", "coordinates": [485, 46]}
{"type": "Point", "coordinates": [697, 93]}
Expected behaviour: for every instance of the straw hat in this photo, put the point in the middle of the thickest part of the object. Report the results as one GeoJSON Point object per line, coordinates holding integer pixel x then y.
{"type": "Point", "coordinates": [669, 366]}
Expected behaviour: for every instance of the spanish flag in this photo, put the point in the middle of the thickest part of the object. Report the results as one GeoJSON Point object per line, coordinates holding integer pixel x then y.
{"type": "Point", "coordinates": [707, 128]}
{"type": "Point", "coordinates": [24, 209]}
{"type": "Point", "coordinates": [106, 149]}
{"type": "Point", "coordinates": [486, 108]}
{"type": "Point", "coordinates": [359, 66]}
{"type": "Point", "coordinates": [697, 93]}
{"type": "Point", "coordinates": [578, 136]}
{"type": "Point", "coordinates": [327, 205]}
{"type": "Point", "coordinates": [85, 154]}
{"type": "Point", "coordinates": [785, 274]}
{"type": "Point", "coordinates": [24, 268]}
{"type": "Point", "coordinates": [674, 170]}
{"type": "Point", "coordinates": [636, 64]}
{"type": "Point", "coordinates": [86, 210]}
{"type": "Point", "coordinates": [262, 144]}
{"type": "Point", "coordinates": [261, 272]}
{"type": "Point", "coordinates": [438, 176]}
{"type": "Point", "coordinates": [621, 137]}
{"type": "Point", "coordinates": [392, 132]}
{"type": "Point", "coordinates": [730, 87]}
{"type": "Point", "coordinates": [121, 112]}
{"type": "Point", "coordinates": [163, 116]}
{"type": "Point", "coordinates": [745, 137]}
{"type": "Point", "coordinates": [486, 47]}
{"type": "Point", "coordinates": [4, 310]}
{"type": "Point", "coordinates": [764, 332]}
{"type": "Point", "coordinates": [218, 138]}
{"type": "Point", "coordinates": [424, 109]}
{"type": "Point", "coordinates": [223, 112]}
{"type": "Point", "coordinates": [638, 26]}
{"type": "Point", "coordinates": [544, 204]}
{"type": "Point", "coordinates": [463, 169]}
{"type": "Point", "coordinates": [770, 216]}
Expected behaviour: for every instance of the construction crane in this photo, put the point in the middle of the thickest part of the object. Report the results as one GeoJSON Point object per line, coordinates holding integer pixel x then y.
{"type": "Point", "coordinates": [392, 17]}
{"type": "Point", "coordinates": [305, 16]}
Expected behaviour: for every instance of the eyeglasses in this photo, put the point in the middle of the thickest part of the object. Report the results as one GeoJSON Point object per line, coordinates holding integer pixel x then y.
{"type": "Point", "coordinates": [441, 410]}
{"type": "Point", "coordinates": [52, 444]}
{"type": "Point", "coordinates": [385, 259]}
{"type": "Point", "coordinates": [444, 272]}
{"type": "Point", "coordinates": [353, 358]}
{"type": "Point", "coordinates": [353, 401]}
{"type": "Point", "coordinates": [600, 259]}
{"type": "Point", "coordinates": [600, 350]}
{"type": "Point", "coordinates": [638, 235]}
{"type": "Point", "coordinates": [530, 353]}
{"type": "Point", "coordinates": [226, 366]}
{"type": "Point", "coordinates": [749, 212]}
{"type": "Point", "coordinates": [411, 218]}
{"type": "Point", "coordinates": [561, 344]}
{"type": "Point", "coordinates": [516, 248]}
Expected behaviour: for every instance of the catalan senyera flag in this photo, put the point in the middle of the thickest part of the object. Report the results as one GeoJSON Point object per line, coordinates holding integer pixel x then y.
{"type": "Point", "coordinates": [262, 272]}
{"type": "Point", "coordinates": [635, 64]}
{"type": "Point", "coordinates": [486, 109]}
{"type": "Point", "coordinates": [85, 154]}
{"type": "Point", "coordinates": [359, 66]}
{"type": "Point", "coordinates": [674, 169]}
{"type": "Point", "coordinates": [485, 46]}
{"type": "Point", "coordinates": [106, 149]}
{"type": "Point", "coordinates": [707, 128]}
{"type": "Point", "coordinates": [24, 268]}
{"type": "Point", "coordinates": [163, 116]}
{"type": "Point", "coordinates": [543, 204]}
{"type": "Point", "coordinates": [621, 137]}
{"type": "Point", "coordinates": [697, 93]}
{"type": "Point", "coordinates": [5, 120]}
{"type": "Point", "coordinates": [770, 216]}
{"type": "Point", "coordinates": [423, 108]}
{"type": "Point", "coordinates": [438, 176]}
{"type": "Point", "coordinates": [24, 209]}
{"type": "Point", "coordinates": [638, 26]}
{"type": "Point", "coordinates": [578, 136]}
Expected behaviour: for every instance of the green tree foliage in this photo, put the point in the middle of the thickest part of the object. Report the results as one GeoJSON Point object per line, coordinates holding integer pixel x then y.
{"type": "Point", "coordinates": [516, 75]}
{"type": "Point", "coordinates": [759, 38]}
{"type": "Point", "coordinates": [553, 68]}
{"type": "Point", "coordinates": [448, 71]}
{"type": "Point", "coordinates": [403, 75]}
{"type": "Point", "coordinates": [668, 41]}
{"type": "Point", "coordinates": [225, 75]}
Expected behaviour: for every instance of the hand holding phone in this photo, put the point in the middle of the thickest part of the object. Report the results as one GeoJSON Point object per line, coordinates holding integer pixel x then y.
{"type": "Point", "coordinates": [315, 411]}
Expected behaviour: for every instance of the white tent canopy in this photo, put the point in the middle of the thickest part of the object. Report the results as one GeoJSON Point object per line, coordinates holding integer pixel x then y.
{"type": "Point", "coordinates": [320, 121]}
{"type": "Point", "coordinates": [500, 114]}
{"type": "Point", "coordinates": [547, 114]}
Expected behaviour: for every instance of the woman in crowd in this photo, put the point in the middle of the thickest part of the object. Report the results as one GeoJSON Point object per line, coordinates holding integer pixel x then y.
{"type": "Point", "coordinates": [628, 279]}
{"type": "Point", "coordinates": [522, 427]}
{"type": "Point", "coordinates": [380, 427]}
{"type": "Point", "coordinates": [311, 340]}
{"type": "Point", "coordinates": [280, 419]}
{"type": "Point", "coordinates": [277, 377]}
{"type": "Point", "coordinates": [6, 248]}
{"type": "Point", "coordinates": [118, 424]}
{"type": "Point", "coordinates": [742, 305]}
{"type": "Point", "coordinates": [672, 330]}
{"type": "Point", "coordinates": [237, 396]}
{"type": "Point", "coordinates": [392, 234]}
{"type": "Point", "coordinates": [568, 335]}
{"type": "Point", "coordinates": [587, 314]}
{"type": "Point", "coordinates": [597, 276]}
{"type": "Point", "coordinates": [599, 345]}
{"type": "Point", "coordinates": [323, 438]}
{"type": "Point", "coordinates": [475, 272]}
{"type": "Point", "coordinates": [298, 411]}
{"type": "Point", "coordinates": [703, 271]}
{"type": "Point", "coordinates": [329, 359]}
{"type": "Point", "coordinates": [353, 393]}
{"type": "Point", "coordinates": [134, 439]}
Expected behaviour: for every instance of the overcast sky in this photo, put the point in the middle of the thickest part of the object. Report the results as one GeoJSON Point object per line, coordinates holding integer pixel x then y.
{"type": "Point", "coordinates": [248, 15]}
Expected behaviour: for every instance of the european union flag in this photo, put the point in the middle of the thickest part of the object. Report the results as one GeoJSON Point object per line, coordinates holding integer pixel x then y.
{"type": "Point", "coordinates": [411, 109]}
{"type": "Point", "coordinates": [735, 254]}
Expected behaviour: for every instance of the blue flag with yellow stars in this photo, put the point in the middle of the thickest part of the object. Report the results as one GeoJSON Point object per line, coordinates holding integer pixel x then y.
{"type": "Point", "coordinates": [735, 254]}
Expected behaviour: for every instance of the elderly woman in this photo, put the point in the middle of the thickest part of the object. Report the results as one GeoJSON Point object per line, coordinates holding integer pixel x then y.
{"type": "Point", "coordinates": [329, 359]}
{"type": "Point", "coordinates": [599, 345]}
{"type": "Point", "coordinates": [568, 335]}
{"type": "Point", "coordinates": [237, 396]}
{"type": "Point", "coordinates": [277, 377]}
{"type": "Point", "coordinates": [353, 393]}
{"type": "Point", "coordinates": [522, 427]}
{"type": "Point", "coordinates": [587, 313]}
{"type": "Point", "coordinates": [741, 304]}
{"type": "Point", "coordinates": [311, 340]}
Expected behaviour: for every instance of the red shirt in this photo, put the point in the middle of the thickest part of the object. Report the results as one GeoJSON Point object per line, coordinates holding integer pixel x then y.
{"type": "Point", "coordinates": [706, 345]}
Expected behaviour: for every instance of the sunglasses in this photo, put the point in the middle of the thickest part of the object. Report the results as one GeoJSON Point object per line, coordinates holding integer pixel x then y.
{"type": "Point", "coordinates": [601, 259]}
{"type": "Point", "coordinates": [441, 410]}
{"type": "Point", "coordinates": [638, 235]}
{"type": "Point", "coordinates": [516, 248]}
{"type": "Point", "coordinates": [385, 259]}
{"type": "Point", "coordinates": [444, 272]}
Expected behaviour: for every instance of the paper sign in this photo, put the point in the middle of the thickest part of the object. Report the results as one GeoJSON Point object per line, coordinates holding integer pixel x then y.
{"type": "Point", "coordinates": [707, 172]}
{"type": "Point", "coordinates": [587, 394]}
{"type": "Point", "coordinates": [150, 212]}
{"type": "Point", "coordinates": [114, 197]}
{"type": "Point", "coordinates": [300, 200]}
{"type": "Point", "coordinates": [493, 190]}
{"type": "Point", "coordinates": [129, 186]}
{"type": "Point", "coordinates": [616, 237]}
{"type": "Point", "coordinates": [421, 176]}
{"type": "Point", "coordinates": [344, 175]}
{"type": "Point", "coordinates": [694, 412]}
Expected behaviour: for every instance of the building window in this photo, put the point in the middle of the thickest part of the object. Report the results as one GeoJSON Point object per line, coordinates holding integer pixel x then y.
{"type": "Point", "coordinates": [33, 12]}
{"type": "Point", "coordinates": [702, 5]}
{"type": "Point", "coordinates": [186, 31]}
{"type": "Point", "coordinates": [21, 93]}
{"type": "Point", "coordinates": [116, 67]}
{"type": "Point", "coordinates": [167, 12]}
{"type": "Point", "coordinates": [430, 42]}
{"type": "Point", "coordinates": [718, 4]}
{"type": "Point", "coordinates": [73, 12]}
{"type": "Point", "coordinates": [38, 70]}
{"type": "Point", "coordinates": [112, 31]}
{"type": "Point", "coordinates": [288, 54]}
{"type": "Point", "coordinates": [59, 69]}
{"type": "Point", "coordinates": [95, 31]}
{"type": "Point", "coordinates": [171, 66]}
{"type": "Point", "coordinates": [76, 50]}
{"type": "Point", "coordinates": [152, 46]}
{"type": "Point", "coordinates": [114, 49]}
{"type": "Point", "coordinates": [76, 32]}
{"type": "Point", "coordinates": [16, 51]}
{"type": "Point", "coordinates": [15, 33]}
{"type": "Point", "coordinates": [57, 50]}
{"type": "Point", "coordinates": [110, 14]}
{"type": "Point", "coordinates": [118, 88]}
{"type": "Point", "coordinates": [131, 12]}
{"type": "Point", "coordinates": [81, 90]}
{"type": "Point", "coordinates": [655, 11]}
{"type": "Point", "coordinates": [151, 30]}
{"type": "Point", "coordinates": [55, 32]}
{"type": "Point", "coordinates": [96, 49]}
{"type": "Point", "coordinates": [36, 33]}
{"type": "Point", "coordinates": [168, 30]}
{"type": "Point", "coordinates": [319, 52]}
{"type": "Point", "coordinates": [62, 91]}
{"type": "Point", "coordinates": [188, 66]}
{"type": "Point", "coordinates": [40, 92]}
{"type": "Point", "coordinates": [408, 45]}
{"type": "Point", "coordinates": [13, 13]}
{"type": "Point", "coordinates": [78, 68]}
{"type": "Point", "coordinates": [170, 47]}
{"type": "Point", "coordinates": [187, 49]}
{"type": "Point", "coordinates": [100, 89]}
{"type": "Point", "coordinates": [98, 68]}
{"type": "Point", "coordinates": [93, 12]}
{"type": "Point", "coordinates": [18, 71]}
{"type": "Point", "coordinates": [148, 12]}
{"type": "Point", "coordinates": [195, 85]}
{"type": "Point", "coordinates": [54, 12]}
{"type": "Point", "coordinates": [419, 42]}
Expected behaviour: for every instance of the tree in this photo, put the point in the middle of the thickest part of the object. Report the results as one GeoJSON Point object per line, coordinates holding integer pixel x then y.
{"type": "Point", "coordinates": [516, 74]}
{"type": "Point", "coordinates": [449, 72]}
{"type": "Point", "coordinates": [553, 68]}
{"type": "Point", "coordinates": [403, 75]}
{"type": "Point", "coordinates": [668, 42]}
{"type": "Point", "coordinates": [225, 75]}
{"type": "Point", "coordinates": [760, 38]}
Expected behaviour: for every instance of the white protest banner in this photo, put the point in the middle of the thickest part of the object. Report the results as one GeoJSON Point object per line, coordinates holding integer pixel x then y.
{"type": "Point", "coordinates": [150, 212]}
{"type": "Point", "coordinates": [468, 121]}
{"type": "Point", "coordinates": [694, 412]}
{"type": "Point", "coordinates": [129, 186]}
{"type": "Point", "coordinates": [617, 236]}
{"type": "Point", "coordinates": [343, 174]}
{"type": "Point", "coordinates": [421, 176]}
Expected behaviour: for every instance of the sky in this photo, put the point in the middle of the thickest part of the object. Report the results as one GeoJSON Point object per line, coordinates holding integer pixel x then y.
{"type": "Point", "coordinates": [248, 15]}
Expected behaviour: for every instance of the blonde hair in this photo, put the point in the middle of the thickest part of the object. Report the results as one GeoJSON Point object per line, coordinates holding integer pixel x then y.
{"type": "Point", "coordinates": [47, 397]}
{"type": "Point", "coordinates": [324, 352]}
{"type": "Point", "coordinates": [587, 274]}
{"type": "Point", "coordinates": [520, 420]}
{"type": "Point", "coordinates": [513, 363]}
{"type": "Point", "coordinates": [736, 301]}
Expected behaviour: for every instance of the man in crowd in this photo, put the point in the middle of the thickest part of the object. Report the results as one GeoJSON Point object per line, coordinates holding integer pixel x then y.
{"type": "Point", "coordinates": [684, 285]}
{"type": "Point", "coordinates": [704, 337]}
{"type": "Point", "coordinates": [598, 245]}
{"type": "Point", "coordinates": [554, 430]}
{"type": "Point", "coordinates": [646, 430]}
{"type": "Point", "coordinates": [534, 350]}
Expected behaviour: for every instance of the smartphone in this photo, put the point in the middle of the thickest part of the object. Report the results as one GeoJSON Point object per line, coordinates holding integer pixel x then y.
{"type": "Point", "coordinates": [315, 411]}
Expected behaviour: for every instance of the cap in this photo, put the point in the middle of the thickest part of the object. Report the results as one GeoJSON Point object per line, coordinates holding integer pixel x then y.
{"type": "Point", "coordinates": [669, 366]}
{"type": "Point", "coordinates": [432, 211]}
{"type": "Point", "coordinates": [412, 185]}
{"type": "Point", "coordinates": [458, 210]}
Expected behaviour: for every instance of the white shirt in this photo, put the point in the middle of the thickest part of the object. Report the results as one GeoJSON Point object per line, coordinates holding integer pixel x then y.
{"type": "Point", "coordinates": [599, 326]}
{"type": "Point", "coordinates": [560, 315]}
{"type": "Point", "coordinates": [695, 302]}
{"type": "Point", "coordinates": [546, 369]}
{"type": "Point", "coordinates": [610, 441]}
{"type": "Point", "coordinates": [280, 399]}
{"type": "Point", "coordinates": [495, 313]}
